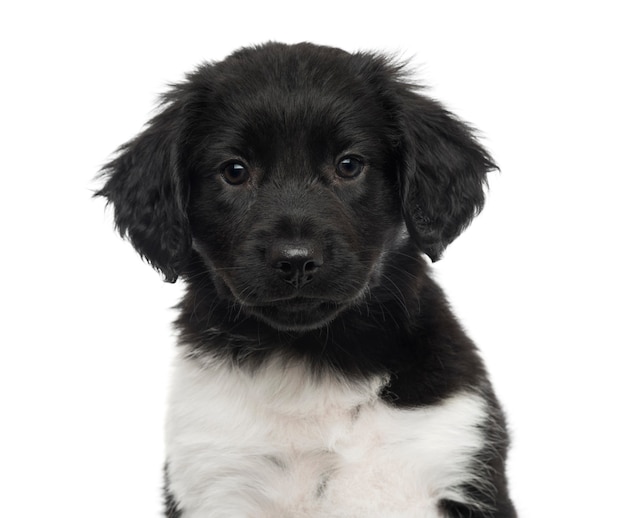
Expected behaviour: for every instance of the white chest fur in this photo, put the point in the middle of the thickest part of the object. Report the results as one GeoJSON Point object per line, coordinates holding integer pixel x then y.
{"type": "Point", "coordinates": [281, 444]}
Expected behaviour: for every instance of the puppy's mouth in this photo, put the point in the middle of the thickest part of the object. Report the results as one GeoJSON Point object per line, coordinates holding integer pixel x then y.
{"type": "Point", "coordinates": [297, 314]}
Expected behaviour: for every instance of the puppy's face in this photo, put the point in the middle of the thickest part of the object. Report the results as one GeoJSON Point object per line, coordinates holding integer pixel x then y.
{"type": "Point", "coordinates": [294, 194]}
{"type": "Point", "coordinates": [291, 171]}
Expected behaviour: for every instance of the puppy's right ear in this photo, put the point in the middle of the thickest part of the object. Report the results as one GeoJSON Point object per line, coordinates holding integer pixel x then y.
{"type": "Point", "coordinates": [148, 191]}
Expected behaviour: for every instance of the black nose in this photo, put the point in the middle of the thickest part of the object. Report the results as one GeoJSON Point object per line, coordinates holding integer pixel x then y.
{"type": "Point", "coordinates": [295, 263]}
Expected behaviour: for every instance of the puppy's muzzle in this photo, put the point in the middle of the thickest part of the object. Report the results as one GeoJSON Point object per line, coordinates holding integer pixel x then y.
{"type": "Point", "coordinates": [296, 263]}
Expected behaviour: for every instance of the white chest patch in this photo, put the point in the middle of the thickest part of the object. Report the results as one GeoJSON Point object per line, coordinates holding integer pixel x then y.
{"type": "Point", "coordinates": [282, 444]}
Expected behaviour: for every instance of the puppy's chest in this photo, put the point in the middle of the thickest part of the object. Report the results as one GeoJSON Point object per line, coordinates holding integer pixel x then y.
{"type": "Point", "coordinates": [280, 443]}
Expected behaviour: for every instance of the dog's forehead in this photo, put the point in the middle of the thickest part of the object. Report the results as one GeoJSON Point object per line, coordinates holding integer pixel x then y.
{"type": "Point", "coordinates": [289, 67]}
{"type": "Point", "coordinates": [305, 129]}
{"type": "Point", "coordinates": [299, 78]}
{"type": "Point", "coordinates": [308, 103]}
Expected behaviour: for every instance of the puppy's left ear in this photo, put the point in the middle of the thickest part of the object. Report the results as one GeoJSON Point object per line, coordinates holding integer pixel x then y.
{"type": "Point", "coordinates": [442, 174]}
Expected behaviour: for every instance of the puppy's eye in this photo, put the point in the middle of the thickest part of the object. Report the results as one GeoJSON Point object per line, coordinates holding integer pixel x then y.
{"type": "Point", "coordinates": [235, 173]}
{"type": "Point", "coordinates": [350, 167]}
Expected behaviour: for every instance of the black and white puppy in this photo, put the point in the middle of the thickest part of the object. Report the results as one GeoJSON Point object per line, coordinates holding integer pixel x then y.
{"type": "Point", "coordinates": [321, 373]}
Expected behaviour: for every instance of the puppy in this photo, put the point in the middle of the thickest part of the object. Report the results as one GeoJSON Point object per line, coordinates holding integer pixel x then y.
{"type": "Point", "coordinates": [296, 190]}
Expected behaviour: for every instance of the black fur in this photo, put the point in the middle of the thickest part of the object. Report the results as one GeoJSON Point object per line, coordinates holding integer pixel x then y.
{"type": "Point", "coordinates": [171, 507]}
{"type": "Point", "coordinates": [366, 303]}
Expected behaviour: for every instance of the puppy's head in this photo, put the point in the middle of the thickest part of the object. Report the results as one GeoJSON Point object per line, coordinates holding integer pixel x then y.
{"type": "Point", "coordinates": [290, 171]}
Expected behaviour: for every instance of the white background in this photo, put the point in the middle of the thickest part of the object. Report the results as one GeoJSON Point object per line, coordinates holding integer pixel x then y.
{"type": "Point", "coordinates": [538, 279]}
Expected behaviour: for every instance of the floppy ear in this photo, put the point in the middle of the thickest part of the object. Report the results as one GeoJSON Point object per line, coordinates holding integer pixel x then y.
{"type": "Point", "coordinates": [146, 187]}
{"type": "Point", "coordinates": [442, 174]}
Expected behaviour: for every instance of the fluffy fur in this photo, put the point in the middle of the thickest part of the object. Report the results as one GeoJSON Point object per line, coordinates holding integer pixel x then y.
{"type": "Point", "coordinates": [321, 373]}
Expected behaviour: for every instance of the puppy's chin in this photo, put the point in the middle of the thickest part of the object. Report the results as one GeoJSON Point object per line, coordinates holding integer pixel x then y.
{"type": "Point", "coordinates": [297, 314]}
